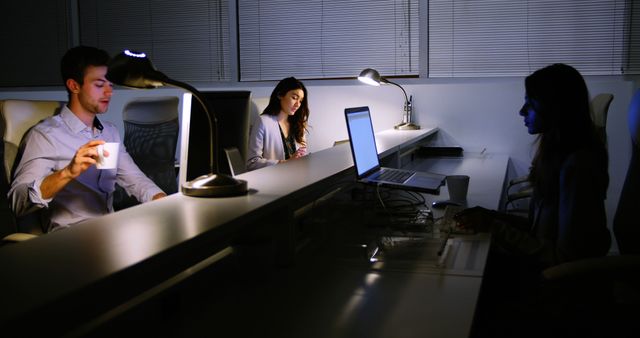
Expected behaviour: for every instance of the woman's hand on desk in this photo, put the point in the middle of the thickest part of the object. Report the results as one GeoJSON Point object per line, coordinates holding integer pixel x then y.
{"type": "Point", "coordinates": [476, 218]}
{"type": "Point", "coordinates": [300, 152]}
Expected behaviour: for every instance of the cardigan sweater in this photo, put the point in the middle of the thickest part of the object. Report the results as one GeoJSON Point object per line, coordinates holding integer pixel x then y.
{"type": "Point", "coordinates": [265, 143]}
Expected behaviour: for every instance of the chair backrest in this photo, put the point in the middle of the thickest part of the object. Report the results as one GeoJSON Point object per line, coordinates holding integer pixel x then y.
{"type": "Point", "coordinates": [599, 112]}
{"type": "Point", "coordinates": [339, 142]}
{"type": "Point", "coordinates": [235, 160]}
{"type": "Point", "coordinates": [151, 110]}
{"type": "Point", "coordinates": [626, 225]}
{"type": "Point", "coordinates": [16, 118]}
{"type": "Point", "coordinates": [151, 130]}
{"type": "Point", "coordinates": [151, 135]}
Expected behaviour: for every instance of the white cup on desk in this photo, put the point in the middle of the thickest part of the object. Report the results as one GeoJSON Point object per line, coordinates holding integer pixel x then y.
{"type": "Point", "coordinates": [110, 161]}
{"type": "Point", "coordinates": [458, 185]}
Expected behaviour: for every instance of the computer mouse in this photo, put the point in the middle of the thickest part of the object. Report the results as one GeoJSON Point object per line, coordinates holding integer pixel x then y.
{"type": "Point", "coordinates": [444, 203]}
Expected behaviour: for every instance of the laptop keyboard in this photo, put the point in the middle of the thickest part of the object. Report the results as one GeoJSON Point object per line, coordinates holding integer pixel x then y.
{"type": "Point", "coordinates": [395, 176]}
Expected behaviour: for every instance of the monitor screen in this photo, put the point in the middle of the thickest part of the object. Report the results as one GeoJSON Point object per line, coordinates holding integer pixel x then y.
{"type": "Point", "coordinates": [363, 142]}
{"type": "Point", "coordinates": [232, 111]}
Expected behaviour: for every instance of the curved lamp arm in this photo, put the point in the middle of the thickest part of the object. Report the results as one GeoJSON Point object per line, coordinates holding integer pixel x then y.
{"type": "Point", "coordinates": [371, 76]}
{"type": "Point", "coordinates": [213, 122]}
{"type": "Point", "coordinates": [134, 69]}
{"type": "Point", "coordinates": [406, 98]}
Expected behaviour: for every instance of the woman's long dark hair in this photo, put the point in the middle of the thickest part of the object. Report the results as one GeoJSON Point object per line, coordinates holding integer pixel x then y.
{"type": "Point", "coordinates": [297, 121]}
{"type": "Point", "coordinates": [566, 123]}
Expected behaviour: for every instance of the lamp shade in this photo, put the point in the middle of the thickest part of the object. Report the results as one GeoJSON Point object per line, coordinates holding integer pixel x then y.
{"type": "Point", "coordinates": [371, 77]}
{"type": "Point", "coordinates": [133, 69]}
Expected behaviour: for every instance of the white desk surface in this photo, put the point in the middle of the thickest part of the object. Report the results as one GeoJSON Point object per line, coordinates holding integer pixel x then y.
{"type": "Point", "coordinates": [122, 254]}
{"type": "Point", "coordinates": [325, 296]}
{"type": "Point", "coordinates": [485, 172]}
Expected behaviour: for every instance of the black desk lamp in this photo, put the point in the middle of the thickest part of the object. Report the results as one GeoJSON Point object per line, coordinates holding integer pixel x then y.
{"type": "Point", "coordinates": [133, 69]}
{"type": "Point", "coordinates": [372, 77]}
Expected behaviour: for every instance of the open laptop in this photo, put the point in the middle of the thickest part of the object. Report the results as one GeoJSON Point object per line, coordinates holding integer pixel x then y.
{"type": "Point", "coordinates": [365, 158]}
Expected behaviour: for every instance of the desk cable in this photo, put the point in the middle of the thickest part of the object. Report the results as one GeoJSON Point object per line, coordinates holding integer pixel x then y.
{"type": "Point", "coordinates": [408, 212]}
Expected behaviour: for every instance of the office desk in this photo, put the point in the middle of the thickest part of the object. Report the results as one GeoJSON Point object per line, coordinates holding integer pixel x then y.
{"type": "Point", "coordinates": [329, 292]}
{"type": "Point", "coordinates": [70, 277]}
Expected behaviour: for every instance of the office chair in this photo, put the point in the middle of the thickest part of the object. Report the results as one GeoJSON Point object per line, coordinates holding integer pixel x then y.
{"type": "Point", "coordinates": [150, 136]}
{"type": "Point", "coordinates": [599, 111]}
{"type": "Point", "coordinates": [237, 165]}
{"type": "Point", "coordinates": [16, 118]}
{"type": "Point", "coordinates": [609, 287]}
{"type": "Point", "coordinates": [339, 142]}
{"type": "Point", "coordinates": [519, 188]}
{"type": "Point", "coordinates": [523, 191]}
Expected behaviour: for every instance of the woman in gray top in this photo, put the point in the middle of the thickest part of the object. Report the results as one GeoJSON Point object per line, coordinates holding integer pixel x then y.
{"type": "Point", "coordinates": [279, 134]}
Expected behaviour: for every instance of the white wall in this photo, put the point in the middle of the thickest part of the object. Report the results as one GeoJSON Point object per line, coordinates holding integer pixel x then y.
{"type": "Point", "coordinates": [475, 113]}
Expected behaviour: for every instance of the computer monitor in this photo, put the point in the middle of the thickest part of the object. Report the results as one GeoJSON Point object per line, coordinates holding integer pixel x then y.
{"type": "Point", "coordinates": [232, 110]}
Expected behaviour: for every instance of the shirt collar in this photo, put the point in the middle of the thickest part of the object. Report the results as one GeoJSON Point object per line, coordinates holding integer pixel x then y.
{"type": "Point", "coordinates": [74, 123]}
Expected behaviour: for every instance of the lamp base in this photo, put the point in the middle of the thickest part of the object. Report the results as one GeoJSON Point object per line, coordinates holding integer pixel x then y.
{"type": "Point", "coordinates": [407, 126]}
{"type": "Point", "coordinates": [215, 185]}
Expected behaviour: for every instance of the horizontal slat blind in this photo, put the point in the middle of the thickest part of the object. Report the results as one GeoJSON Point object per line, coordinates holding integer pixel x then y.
{"type": "Point", "coordinates": [514, 38]}
{"type": "Point", "coordinates": [34, 35]}
{"type": "Point", "coordinates": [327, 38]}
{"type": "Point", "coordinates": [188, 40]}
{"type": "Point", "coordinates": [633, 36]}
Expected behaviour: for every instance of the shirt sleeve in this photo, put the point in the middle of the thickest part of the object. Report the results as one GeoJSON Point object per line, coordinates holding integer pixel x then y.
{"type": "Point", "coordinates": [133, 180]}
{"type": "Point", "coordinates": [38, 161]}
{"type": "Point", "coordinates": [255, 153]}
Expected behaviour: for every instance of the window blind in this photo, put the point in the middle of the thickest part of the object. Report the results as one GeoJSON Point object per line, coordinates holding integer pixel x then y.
{"type": "Point", "coordinates": [633, 36]}
{"type": "Point", "coordinates": [327, 38]}
{"type": "Point", "coordinates": [33, 42]}
{"type": "Point", "coordinates": [514, 38]}
{"type": "Point", "coordinates": [188, 40]}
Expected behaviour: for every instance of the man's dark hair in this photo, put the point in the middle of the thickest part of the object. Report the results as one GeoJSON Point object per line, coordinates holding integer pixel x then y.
{"type": "Point", "coordinates": [76, 60]}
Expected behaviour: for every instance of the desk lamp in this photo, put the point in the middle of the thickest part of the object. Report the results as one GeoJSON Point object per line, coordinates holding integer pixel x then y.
{"type": "Point", "coordinates": [135, 70]}
{"type": "Point", "coordinates": [372, 77]}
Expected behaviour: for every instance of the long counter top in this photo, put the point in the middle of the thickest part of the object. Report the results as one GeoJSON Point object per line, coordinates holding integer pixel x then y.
{"type": "Point", "coordinates": [85, 271]}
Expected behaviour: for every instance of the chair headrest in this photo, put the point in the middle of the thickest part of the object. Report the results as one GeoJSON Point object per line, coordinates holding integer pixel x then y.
{"type": "Point", "coordinates": [20, 115]}
{"type": "Point", "coordinates": [600, 108]}
{"type": "Point", "coordinates": [151, 110]}
{"type": "Point", "coordinates": [633, 119]}
{"type": "Point", "coordinates": [16, 117]}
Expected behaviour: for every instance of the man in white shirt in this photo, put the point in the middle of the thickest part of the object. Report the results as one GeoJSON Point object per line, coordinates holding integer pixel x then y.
{"type": "Point", "coordinates": [57, 169]}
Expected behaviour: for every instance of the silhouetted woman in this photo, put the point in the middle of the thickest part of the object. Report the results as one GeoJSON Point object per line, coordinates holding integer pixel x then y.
{"type": "Point", "coordinates": [279, 134]}
{"type": "Point", "coordinates": [567, 219]}
{"type": "Point", "coordinates": [569, 176]}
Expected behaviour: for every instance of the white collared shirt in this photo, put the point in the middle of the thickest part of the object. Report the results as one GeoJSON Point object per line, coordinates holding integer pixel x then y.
{"type": "Point", "coordinates": [49, 147]}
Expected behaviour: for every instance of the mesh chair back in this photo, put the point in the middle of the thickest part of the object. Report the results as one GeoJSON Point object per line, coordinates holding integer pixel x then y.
{"type": "Point", "coordinates": [151, 130]}
{"type": "Point", "coordinates": [153, 148]}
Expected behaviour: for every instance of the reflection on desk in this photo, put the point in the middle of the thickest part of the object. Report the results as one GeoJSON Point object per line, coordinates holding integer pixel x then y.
{"type": "Point", "coordinates": [334, 289]}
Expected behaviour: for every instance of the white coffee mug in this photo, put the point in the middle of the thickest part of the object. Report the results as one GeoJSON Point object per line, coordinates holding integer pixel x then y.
{"type": "Point", "coordinates": [458, 186]}
{"type": "Point", "coordinates": [111, 161]}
